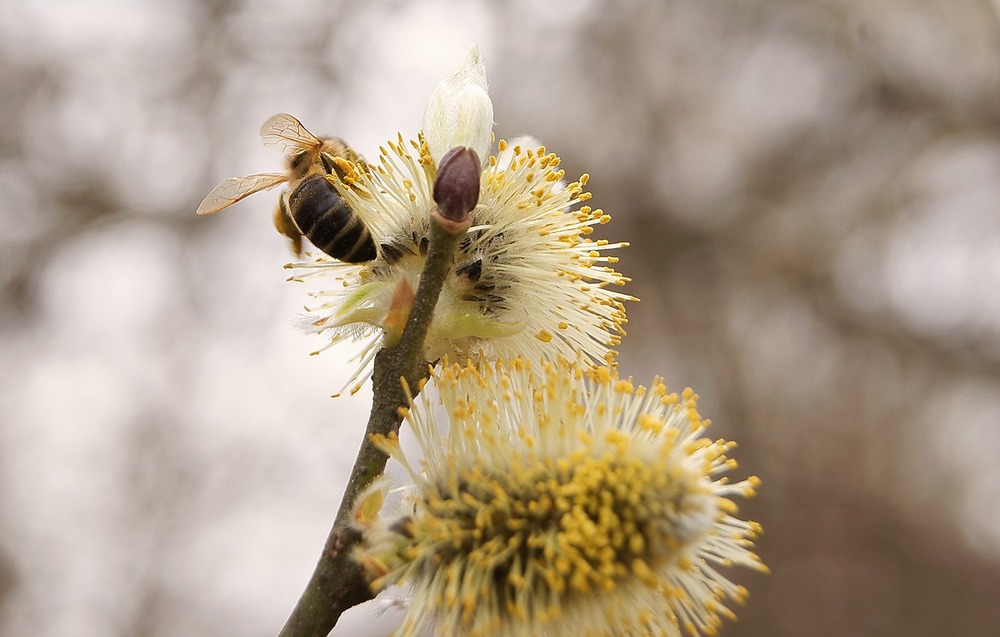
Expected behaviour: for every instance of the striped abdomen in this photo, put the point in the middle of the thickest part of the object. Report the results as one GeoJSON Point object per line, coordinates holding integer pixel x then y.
{"type": "Point", "coordinates": [325, 219]}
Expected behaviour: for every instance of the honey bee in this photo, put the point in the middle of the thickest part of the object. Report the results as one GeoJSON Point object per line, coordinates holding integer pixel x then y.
{"type": "Point", "coordinates": [310, 206]}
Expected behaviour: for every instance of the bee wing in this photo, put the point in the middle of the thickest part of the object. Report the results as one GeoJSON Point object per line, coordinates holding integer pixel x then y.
{"type": "Point", "coordinates": [287, 134]}
{"type": "Point", "coordinates": [235, 188]}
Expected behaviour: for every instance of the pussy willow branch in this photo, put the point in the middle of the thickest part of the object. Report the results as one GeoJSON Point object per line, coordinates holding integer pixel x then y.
{"type": "Point", "coordinates": [338, 583]}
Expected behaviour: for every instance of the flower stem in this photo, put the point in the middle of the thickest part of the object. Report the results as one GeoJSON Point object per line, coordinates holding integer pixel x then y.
{"type": "Point", "coordinates": [338, 583]}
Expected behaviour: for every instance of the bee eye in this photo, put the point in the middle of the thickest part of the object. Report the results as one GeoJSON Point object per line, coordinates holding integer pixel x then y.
{"type": "Point", "coordinates": [329, 165]}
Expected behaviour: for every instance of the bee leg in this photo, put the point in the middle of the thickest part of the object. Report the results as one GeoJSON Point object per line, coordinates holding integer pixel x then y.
{"type": "Point", "coordinates": [284, 224]}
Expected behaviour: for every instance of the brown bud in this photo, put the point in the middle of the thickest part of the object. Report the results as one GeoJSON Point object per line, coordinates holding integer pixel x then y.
{"type": "Point", "coordinates": [456, 189]}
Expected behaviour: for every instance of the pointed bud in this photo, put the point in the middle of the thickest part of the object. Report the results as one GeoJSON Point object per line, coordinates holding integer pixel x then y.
{"type": "Point", "coordinates": [456, 189]}
{"type": "Point", "coordinates": [460, 112]}
{"type": "Point", "coordinates": [399, 312]}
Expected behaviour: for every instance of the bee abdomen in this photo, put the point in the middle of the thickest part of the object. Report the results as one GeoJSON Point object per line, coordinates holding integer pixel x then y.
{"type": "Point", "coordinates": [341, 234]}
{"type": "Point", "coordinates": [325, 219]}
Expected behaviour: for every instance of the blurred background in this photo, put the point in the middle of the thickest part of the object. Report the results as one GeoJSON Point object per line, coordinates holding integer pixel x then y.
{"type": "Point", "coordinates": [812, 194]}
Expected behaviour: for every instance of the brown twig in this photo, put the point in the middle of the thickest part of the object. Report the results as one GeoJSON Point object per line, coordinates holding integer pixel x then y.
{"type": "Point", "coordinates": [338, 583]}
